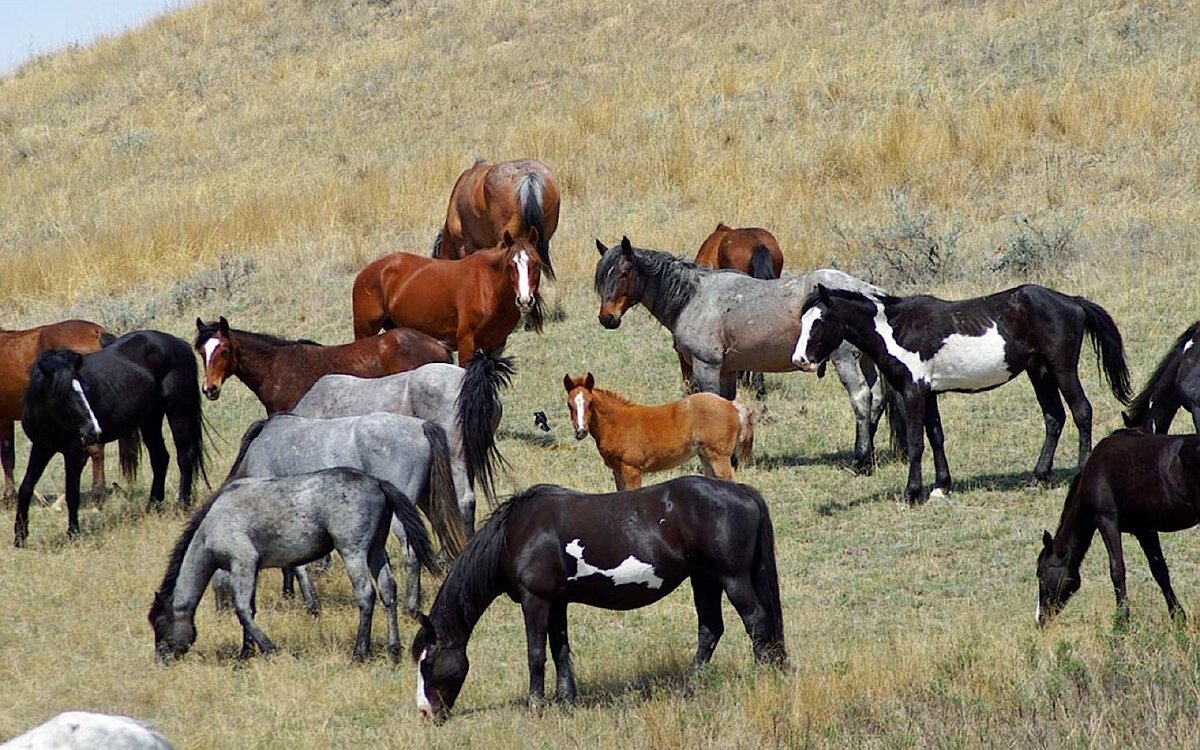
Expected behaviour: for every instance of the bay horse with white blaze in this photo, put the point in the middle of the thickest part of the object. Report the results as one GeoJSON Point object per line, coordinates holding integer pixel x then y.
{"type": "Point", "coordinates": [279, 372]}
{"type": "Point", "coordinates": [550, 547]}
{"type": "Point", "coordinates": [924, 346]}
{"type": "Point", "coordinates": [473, 303]}
{"type": "Point", "coordinates": [752, 250]}
{"type": "Point", "coordinates": [519, 197]}
{"type": "Point", "coordinates": [18, 350]}
{"type": "Point", "coordinates": [1175, 384]}
{"type": "Point", "coordinates": [1133, 483]}
{"type": "Point", "coordinates": [633, 438]}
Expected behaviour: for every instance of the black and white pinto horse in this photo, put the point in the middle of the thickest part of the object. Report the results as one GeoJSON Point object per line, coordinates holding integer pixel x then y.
{"type": "Point", "coordinates": [1175, 384]}
{"type": "Point", "coordinates": [724, 322]}
{"type": "Point", "coordinates": [250, 524]}
{"type": "Point", "coordinates": [550, 547]}
{"type": "Point", "coordinates": [925, 346]}
{"type": "Point", "coordinates": [117, 393]}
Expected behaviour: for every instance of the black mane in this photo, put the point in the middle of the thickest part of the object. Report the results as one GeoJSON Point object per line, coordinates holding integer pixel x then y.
{"type": "Point", "coordinates": [666, 283]}
{"type": "Point", "coordinates": [50, 378]}
{"type": "Point", "coordinates": [846, 294]}
{"type": "Point", "coordinates": [1139, 407]}
{"type": "Point", "coordinates": [166, 589]}
{"type": "Point", "coordinates": [207, 330]}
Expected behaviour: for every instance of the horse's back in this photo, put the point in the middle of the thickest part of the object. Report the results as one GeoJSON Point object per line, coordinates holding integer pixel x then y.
{"type": "Point", "coordinates": [1152, 481]}
{"type": "Point", "coordinates": [80, 730]}
{"type": "Point", "coordinates": [19, 349]}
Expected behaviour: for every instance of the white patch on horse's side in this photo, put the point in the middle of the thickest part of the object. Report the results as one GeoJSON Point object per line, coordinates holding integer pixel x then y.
{"type": "Point", "coordinates": [631, 569]}
{"type": "Point", "coordinates": [962, 363]}
{"type": "Point", "coordinates": [91, 414]}
{"type": "Point", "coordinates": [800, 354]}
{"type": "Point", "coordinates": [522, 259]}
{"type": "Point", "coordinates": [578, 409]}
{"type": "Point", "coordinates": [423, 704]}
{"type": "Point", "coordinates": [1189, 345]}
{"type": "Point", "coordinates": [210, 348]}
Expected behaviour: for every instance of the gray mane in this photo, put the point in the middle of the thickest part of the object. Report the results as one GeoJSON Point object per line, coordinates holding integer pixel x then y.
{"type": "Point", "coordinates": [666, 283]}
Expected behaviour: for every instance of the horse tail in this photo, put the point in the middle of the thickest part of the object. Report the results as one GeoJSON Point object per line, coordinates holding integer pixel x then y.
{"type": "Point", "coordinates": [253, 431]}
{"type": "Point", "coordinates": [442, 505]}
{"type": "Point", "coordinates": [478, 407]}
{"type": "Point", "coordinates": [761, 266]}
{"type": "Point", "coordinates": [529, 194]}
{"type": "Point", "coordinates": [197, 427]}
{"type": "Point", "coordinates": [745, 438]}
{"type": "Point", "coordinates": [437, 243]}
{"type": "Point", "coordinates": [1161, 385]}
{"type": "Point", "coordinates": [414, 531]}
{"type": "Point", "coordinates": [765, 579]}
{"type": "Point", "coordinates": [129, 449]}
{"type": "Point", "coordinates": [897, 416]}
{"type": "Point", "coordinates": [1110, 352]}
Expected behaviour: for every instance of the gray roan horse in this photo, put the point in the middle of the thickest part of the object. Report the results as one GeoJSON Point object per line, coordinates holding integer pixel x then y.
{"type": "Point", "coordinates": [725, 322]}
{"type": "Point", "coordinates": [410, 453]}
{"type": "Point", "coordinates": [465, 403]}
{"type": "Point", "coordinates": [266, 523]}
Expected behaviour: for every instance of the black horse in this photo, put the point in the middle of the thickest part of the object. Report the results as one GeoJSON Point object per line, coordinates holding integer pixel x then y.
{"type": "Point", "coordinates": [1133, 483]}
{"type": "Point", "coordinates": [552, 546]}
{"type": "Point", "coordinates": [74, 400]}
{"type": "Point", "coordinates": [925, 346]}
{"type": "Point", "coordinates": [1174, 384]}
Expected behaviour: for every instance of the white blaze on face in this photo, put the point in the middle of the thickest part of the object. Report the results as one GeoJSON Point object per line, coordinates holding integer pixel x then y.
{"type": "Point", "coordinates": [523, 284]}
{"type": "Point", "coordinates": [962, 363]}
{"type": "Point", "coordinates": [210, 348]}
{"type": "Point", "coordinates": [91, 414]}
{"type": "Point", "coordinates": [577, 409]}
{"type": "Point", "coordinates": [1189, 345]}
{"type": "Point", "coordinates": [423, 704]}
{"type": "Point", "coordinates": [800, 355]}
{"type": "Point", "coordinates": [631, 569]}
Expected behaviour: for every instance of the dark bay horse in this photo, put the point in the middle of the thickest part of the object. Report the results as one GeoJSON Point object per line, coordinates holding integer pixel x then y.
{"type": "Point", "coordinates": [252, 524]}
{"type": "Point", "coordinates": [18, 350]}
{"type": "Point", "coordinates": [519, 197]}
{"type": "Point", "coordinates": [550, 547]}
{"type": "Point", "coordinates": [725, 323]}
{"type": "Point", "coordinates": [279, 372]}
{"type": "Point", "coordinates": [124, 389]}
{"type": "Point", "coordinates": [473, 303]}
{"type": "Point", "coordinates": [752, 250]}
{"type": "Point", "coordinates": [1174, 384]}
{"type": "Point", "coordinates": [1133, 483]}
{"type": "Point", "coordinates": [924, 346]}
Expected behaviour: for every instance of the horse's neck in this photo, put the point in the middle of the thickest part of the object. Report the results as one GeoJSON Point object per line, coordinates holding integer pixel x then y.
{"type": "Point", "coordinates": [1075, 532]}
{"type": "Point", "coordinates": [195, 572]}
{"type": "Point", "coordinates": [606, 410]}
{"type": "Point", "coordinates": [255, 358]}
{"type": "Point", "coordinates": [861, 330]}
{"type": "Point", "coordinates": [668, 291]}
{"type": "Point", "coordinates": [455, 621]}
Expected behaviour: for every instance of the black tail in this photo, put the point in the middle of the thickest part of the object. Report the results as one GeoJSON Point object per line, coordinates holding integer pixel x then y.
{"type": "Point", "coordinates": [897, 417]}
{"type": "Point", "coordinates": [440, 502]}
{"type": "Point", "coordinates": [129, 448]}
{"type": "Point", "coordinates": [197, 428]}
{"type": "Point", "coordinates": [1160, 388]}
{"type": "Point", "coordinates": [248, 436]}
{"type": "Point", "coordinates": [478, 407]}
{"type": "Point", "coordinates": [766, 580]}
{"type": "Point", "coordinates": [414, 531]}
{"type": "Point", "coordinates": [1110, 352]}
{"type": "Point", "coordinates": [437, 243]}
{"type": "Point", "coordinates": [529, 195]}
{"type": "Point", "coordinates": [761, 266]}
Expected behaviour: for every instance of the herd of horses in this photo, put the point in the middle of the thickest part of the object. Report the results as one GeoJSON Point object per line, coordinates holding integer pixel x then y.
{"type": "Point", "coordinates": [368, 436]}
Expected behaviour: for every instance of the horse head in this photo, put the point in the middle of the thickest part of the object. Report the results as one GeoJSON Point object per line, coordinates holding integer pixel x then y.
{"type": "Point", "coordinates": [56, 392]}
{"type": "Point", "coordinates": [820, 332]}
{"type": "Point", "coordinates": [218, 353]}
{"type": "Point", "coordinates": [173, 636]}
{"type": "Point", "coordinates": [441, 671]}
{"type": "Point", "coordinates": [524, 268]}
{"type": "Point", "coordinates": [579, 402]}
{"type": "Point", "coordinates": [617, 282]}
{"type": "Point", "coordinates": [1058, 579]}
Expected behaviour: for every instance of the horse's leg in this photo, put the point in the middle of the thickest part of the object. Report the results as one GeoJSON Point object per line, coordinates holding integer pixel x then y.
{"type": "Point", "coordinates": [717, 465]}
{"type": "Point", "coordinates": [412, 586]}
{"type": "Point", "coordinates": [740, 591]}
{"type": "Point", "coordinates": [937, 443]}
{"type": "Point", "coordinates": [914, 404]}
{"type": "Point", "coordinates": [308, 591]}
{"type": "Point", "coordinates": [685, 372]}
{"type": "Point", "coordinates": [381, 568]}
{"type": "Point", "coordinates": [289, 582]}
{"type": "Point", "coordinates": [466, 346]}
{"type": "Point", "coordinates": [628, 477]}
{"type": "Point", "coordinates": [537, 617]}
{"type": "Point", "coordinates": [466, 493]}
{"type": "Point", "coordinates": [39, 459]}
{"type": "Point", "coordinates": [1046, 389]}
{"type": "Point", "coordinates": [1111, 535]}
{"type": "Point", "coordinates": [1158, 567]}
{"type": "Point", "coordinates": [99, 484]}
{"type": "Point", "coordinates": [728, 385]}
{"type": "Point", "coordinates": [74, 460]}
{"type": "Point", "coordinates": [244, 574]}
{"type": "Point", "coordinates": [1081, 410]}
{"type": "Point", "coordinates": [560, 650]}
{"type": "Point", "coordinates": [706, 593]}
{"type": "Point", "coordinates": [706, 378]}
{"type": "Point", "coordinates": [861, 398]}
{"type": "Point", "coordinates": [159, 458]}
{"type": "Point", "coordinates": [361, 576]}
{"type": "Point", "coordinates": [8, 458]}
{"type": "Point", "coordinates": [185, 454]}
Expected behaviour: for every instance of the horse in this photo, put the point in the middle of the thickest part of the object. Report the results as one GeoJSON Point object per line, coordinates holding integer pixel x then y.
{"type": "Point", "coordinates": [84, 730]}
{"type": "Point", "coordinates": [18, 350]}
{"type": "Point", "coordinates": [473, 303]}
{"type": "Point", "coordinates": [518, 197]}
{"type": "Point", "coordinates": [272, 522]}
{"type": "Point", "coordinates": [127, 387]}
{"type": "Point", "coordinates": [1175, 383]}
{"type": "Point", "coordinates": [410, 453]}
{"type": "Point", "coordinates": [633, 438]}
{"type": "Point", "coordinates": [752, 250]}
{"type": "Point", "coordinates": [724, 323]}
{"type": "Point", "coordinates": [279, 372]}
{"type": "Point", "coordinates": [551, 546]}
{"type": "Point", "coordinates": [924, 346]}
{"type": "Point", "coordinates": [464, 402]}
{"type": "Point", "coordinates": [1134, 483]}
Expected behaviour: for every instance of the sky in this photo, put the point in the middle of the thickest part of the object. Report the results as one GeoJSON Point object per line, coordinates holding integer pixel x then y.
{"type": "Point", "coordinates": [33, 27]}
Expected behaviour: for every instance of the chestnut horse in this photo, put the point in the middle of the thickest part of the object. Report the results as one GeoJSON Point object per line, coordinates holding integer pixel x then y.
{"type": "Point", "coordinates": [279, 372]}
{"type": "Point", "coordinates": [488, 200]}
{"type": "Point", "coordinates": [633, 438]}
{"type": "Point", "coordinates": [751, 250]}
{"type": "Point", "coordinates": [18, 350]}
{"type": "Point", "coordinates": [473, 303]}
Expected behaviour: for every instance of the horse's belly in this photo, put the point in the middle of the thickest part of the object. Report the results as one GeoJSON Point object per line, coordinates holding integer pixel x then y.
{"type": "Point", "coordinates": [969, 363]}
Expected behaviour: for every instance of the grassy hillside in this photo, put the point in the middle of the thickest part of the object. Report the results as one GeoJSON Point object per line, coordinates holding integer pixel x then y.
{"type": "Point", "coordinates": [246, 158]}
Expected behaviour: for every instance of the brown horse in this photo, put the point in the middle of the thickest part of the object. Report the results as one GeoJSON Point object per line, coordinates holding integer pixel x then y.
{"type": "Point", "coordinates": [490, 199]}
{"type": "Point", "coordinates": [18, 350]}
{"type": "Point", "coordinates": [279, 372]}
{"type": "Point", "coordinates": [473, 303]}
{"type": "Point", "coordinates": [751, 250]}
{"type": "Point", "coordinates": [633, 438]}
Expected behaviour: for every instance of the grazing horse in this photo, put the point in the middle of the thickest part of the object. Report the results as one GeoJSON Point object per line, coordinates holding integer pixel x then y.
{"type": "Point", "coordinates": [18, 350]}
{"type": "Point", "coordinates": [551, 546]}
{"type": "Point", "coordinates": [1133, 483]}
{"type": "Point", "coordinates": [518, 197]}
{"type": "Point", "coordinates": [633, 438]}
{"type": "Point", "coordinates": [464, 402]}
{"type": "Point", "coordinates": [924, 346]}
{"type": "Point", "coordinates": [251, 524]}
{"type": "Point", "coordinates": [128, 387]}
{"type": "Point", "coordinates": [279, 372]}
{"type": "Point", "coordinates": [725, 323]}
{"type": "Point", "coordinates": [473, 303]}
{"type": "Point", "coordinates": [752, 250]}
{"type": "Point", "coordinates": [1175, 383]}
{"type": "Point", "coordinates": [410, 453]}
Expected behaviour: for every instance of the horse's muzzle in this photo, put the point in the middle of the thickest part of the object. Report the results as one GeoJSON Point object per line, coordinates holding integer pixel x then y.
{"type": "Point", "coordinates": [581, 434]}
{"type": "Point", "coordinates": [804, 364]}
{"type": "Point", "coordinates": [212, 392]}
{"type": "Point", "coordinates": [610, 321]}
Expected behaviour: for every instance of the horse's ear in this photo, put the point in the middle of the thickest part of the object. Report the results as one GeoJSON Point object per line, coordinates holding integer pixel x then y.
{"type": "Point", "coordinates": [600, 246]}
{"type": "Point", "coordinates": [199, 324]}
{"type": "Point", "coordinates": [507, 239]}
{"type": "Point", "coordinates": [626, 247]}
{"type": "Point", "coordinates": [223, 324]}
{"type": "Point", "coordinates": [822, 293]}
{"type": "Point", "coordinates": [1047, 540]}
{"type": "Point", "coordinates": [568, 383]}
{"type": "Point", "coordinates": [589, 382]}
